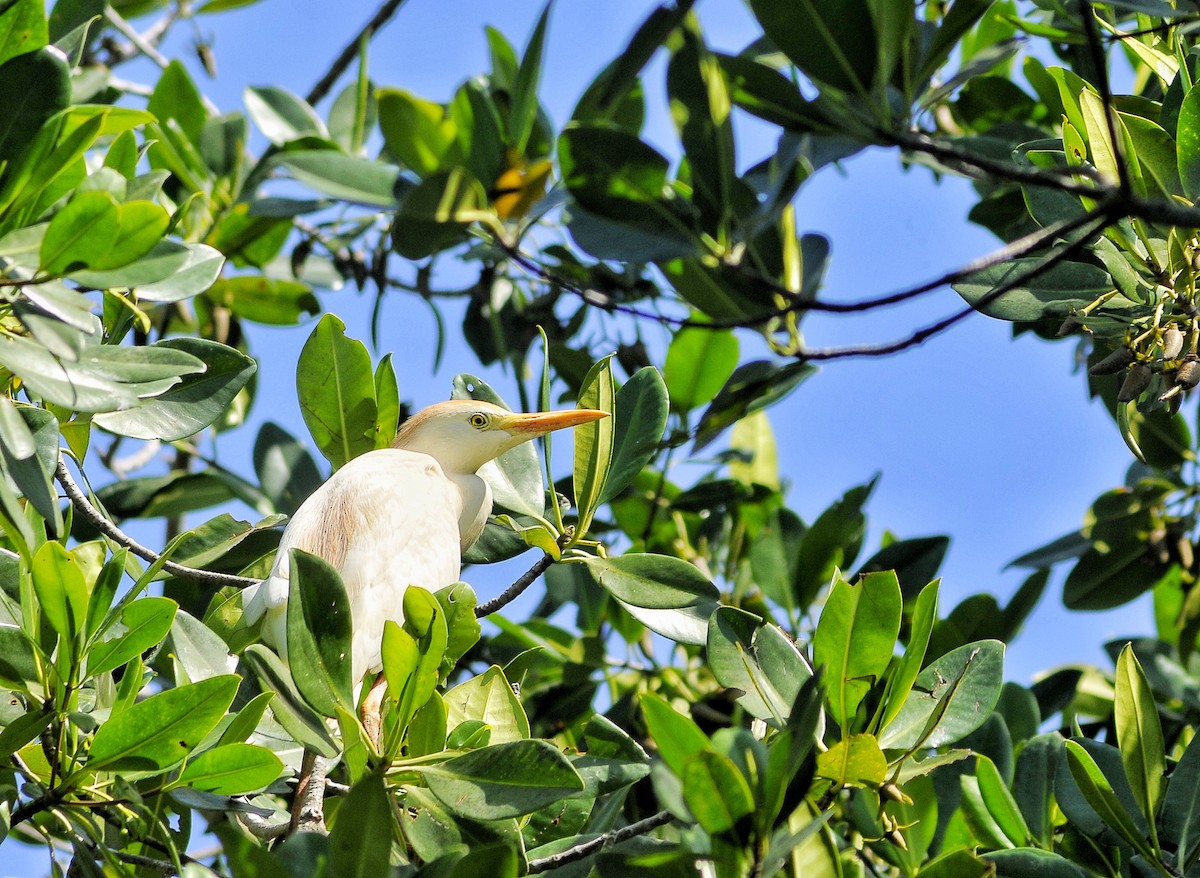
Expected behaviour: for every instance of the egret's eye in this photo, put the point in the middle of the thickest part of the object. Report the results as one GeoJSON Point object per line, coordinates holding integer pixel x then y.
{"type": "Point", "coordinates": [479, 420]}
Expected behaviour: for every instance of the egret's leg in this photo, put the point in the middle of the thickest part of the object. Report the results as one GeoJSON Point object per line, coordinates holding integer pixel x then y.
{"type": "Point", "coordinates": [369, 711]}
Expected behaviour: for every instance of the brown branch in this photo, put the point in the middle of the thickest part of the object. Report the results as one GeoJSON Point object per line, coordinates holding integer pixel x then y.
{"type": "Point", "coordinates": [921, 335]}
{"type": "Point", "coordinates": [514, 591]}
{"type": "Point", "coordinates": [98, 520]}
{"type": "Point", "coordinates": [350, 52]}
{"type": "Point", "coordinates": [587, 848]}
{"type": "Point", "coordinates": [308, 809]}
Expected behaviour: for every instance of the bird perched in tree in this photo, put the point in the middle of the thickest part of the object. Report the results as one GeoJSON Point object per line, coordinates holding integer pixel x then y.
{"type": "Point", "coordinates": [400, 516]}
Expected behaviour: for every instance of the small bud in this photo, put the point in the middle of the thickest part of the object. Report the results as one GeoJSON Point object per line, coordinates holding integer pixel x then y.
{"type": "Point", "coordinates": [1067, 327]}
{"type": "Point", "coordinates": [1137, 379]}
{"type": "Point", "coordinates": [1113, 363]}
{"type": "Point", "coordinates": [1172, 343]}
{"type": "Point", "coordinates": [1187, 376]}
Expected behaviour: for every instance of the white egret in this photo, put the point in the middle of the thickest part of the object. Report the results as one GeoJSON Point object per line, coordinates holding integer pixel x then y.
{"type": "Point", "coordinates": [400, 516]}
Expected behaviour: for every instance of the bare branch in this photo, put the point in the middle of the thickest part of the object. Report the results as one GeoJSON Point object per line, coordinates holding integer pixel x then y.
{"type": "Point", "coordinates": [348, 54]}
{"type": "Point", "coordinates": [514, 591]}
{"type": "Point", "coordinates": [98, 520]}
{"type": "Point", "coordinates": [921, 335]}
{"type": "Point", "coordinates": [587, 848]}
{"type": "Point", "coordinates": [308, 810]}
{"type": "Point", "coordinates": [130, 33]}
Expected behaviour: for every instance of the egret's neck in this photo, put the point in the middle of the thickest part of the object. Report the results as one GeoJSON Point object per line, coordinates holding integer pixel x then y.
{"type": "Point", "coordinates": [476, 506]}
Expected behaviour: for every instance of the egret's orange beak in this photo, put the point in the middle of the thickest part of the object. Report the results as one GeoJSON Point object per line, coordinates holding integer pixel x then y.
{"type": "Point", "coordinates": [540, 423]}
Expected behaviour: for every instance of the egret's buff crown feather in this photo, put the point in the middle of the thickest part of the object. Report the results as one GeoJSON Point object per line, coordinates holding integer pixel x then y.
{"type": "Point", "coordinates": [400, 516]}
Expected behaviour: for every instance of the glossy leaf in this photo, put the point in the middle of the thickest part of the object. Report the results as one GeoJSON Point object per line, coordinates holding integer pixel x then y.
{"type": "Point", "coordinates": [677, 737]}
{"type": "Point", "coordinates": [146, 622]}
{"type": "Point", "coordinates": [488, 698]}
{"type": "Point", "coordinates": [950, 699]}
{"type": "Point", "coordinates": [416, 131]}
{"type": "Point", "coordinates": [638, 425]}
{"type": "Point", "coordinates": [652, 581]}
{"type": "Point", "coordinates": [505, 780]}
{"type": "Point", "coordinates": [1139, 735]}
{"type": "Point", "coordinates": [318, 633]}
{"type": "Point", "coordinates": [336, 386]}
{"type": "Point", "coordinates": [1103, 798]}
{"type": "Point", "coordinates": [196, 402]}
{"type": "Point", "coordinates": [232, 769]}
{"type": "Point", "coordinates": [1054, 292]}
{"type": "Point", "coordinates": [524, 110]}
{"type": "Point", "coordinates": [344, 177]}
{"type": "Point", "coordinates": [715, 791]}
{"type": "Point", "coordinates": [305, 726]}
{"type": "Point", "coordinates": [269, 301]}
{"type": "Point", "coordinates": [61, 590]}
{"type": "Point", "coordinates": [1000, 803]}
{"type": "Point", "coordinates": [855, 636]}
{"type": "Point", "coordinates": [924, 617]}
{"type": "Point", "coordinates": [40, 84]}
{"type": "Point", "coordinates": [758, 659]}
{"type": "Point", "coordinates": [856, 760]}
{"type": "Point", "coordinates": [698, 363]}
{"type": "Point", "coordinates": [281, 115]}
{"type": "Point", "coordinates": [82, 234]}
{"type": "Point", "coordinates": [832, 42]}
{"type": "Point", "coordinates": [162, 730]}
{"type": "Point", "coordinates": [359, 841]}
{"type": "Point", "coordinates": [1181, 807]}
{"type": "Point", "coordinates": [594, 443]}
{"type": "Point", "coordinates": [1187, 137]}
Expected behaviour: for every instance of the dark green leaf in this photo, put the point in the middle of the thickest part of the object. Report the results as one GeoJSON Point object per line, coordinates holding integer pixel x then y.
{"type": "Point", "coordinates": [336, 386]}
{"type": "Point", "coordinates": [1053, 292]}
{"type": "Point", "coordinates": [232, 769]}
{"type": "Point", "coordinates": [833, 42]}
{"type": "Point", "coordinates": [38, 84]}
{"type": "Point", "coordinates": [699, 361]}
{"type": "Point", "coordinates": [639, 422]}
{"type": "Point", "coordinates": [360, 841]}
{"type": "Point", "coordinates": [318, 633]}
{"type": "Point", "coordinates": [146, 622]}
{"type": "Point", "coordinates": [505, 780]}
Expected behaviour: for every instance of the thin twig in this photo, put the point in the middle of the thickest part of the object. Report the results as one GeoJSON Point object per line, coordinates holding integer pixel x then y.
{"type": "Point", "coordinates": [921, 335]}
{"type": "Point", "coordinates": [350, 52]}
{"type": "Point", "coordinates": [587, 848]}
{"type": "Point", "coordinates": [130, 33]}
{"type": "Point", "coordinates": [511, 593]}
{"type": "Point", "coordinates": [98, 520]}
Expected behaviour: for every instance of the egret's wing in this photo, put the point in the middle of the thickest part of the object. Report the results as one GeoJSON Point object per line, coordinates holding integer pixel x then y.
{"type": "Point", "coordinates": [385, 521]}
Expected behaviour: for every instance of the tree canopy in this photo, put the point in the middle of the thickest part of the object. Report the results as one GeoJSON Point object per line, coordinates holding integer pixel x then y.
{"type": "Point", "coordinates": [704, 680]}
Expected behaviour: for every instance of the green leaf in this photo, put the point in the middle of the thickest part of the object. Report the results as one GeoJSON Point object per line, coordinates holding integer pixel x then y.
{"type": "Point", "coordinates": [715, 791]}
{"type": "Point", "coordinates": [924, 616]}
{"type": "Point", "coordinates": [652, 581]}
{"type": "Point", "coordinates": [435, 213]}
{"type": "Point", "coordinates": [831, 543]}
{"type": "Point", "coordinates": [524, 109]}
{"type": "Point", "coordinates": [196, 402]}
{"type": "Point", "coordinates": [344, 177]}
{"type": "Point", "coordinates": [38, 84]}
{"type": "Point", "coordinates": [281, 115]}
{"type": "Point", "coordinates": [1187, 139]}
{"type": "Point", "coordinates": [757, 659]}
{"type": "Point", "coordinates": [387, 402]}
{"type": "Point", "coordinates": [265, 300]}
{"type": "Point", "coordinates": [146, 622]}
{"type": "Point", "coordinates": [417, 132]}
{"type": "Point", "coordinates": [1000, 803]}
{"type": "Point", "coordinates": [854, 640]}
{"type": "Point", "coordinates": [594, 443]}
{"type": "Point", "coordinates": [359, 842]}
{"type": "Point", "coordinates": [638, 425]}
{"type": "Point", "coordinates": [61, 591]}
{"type": "Point", "coordinates": [677, 737]}
{"type": "Point", "coordinates": [1033, 783]}
{"type": "Point", "coordinates": [698, 363]}
{"type": "Point", "coordinates": [336, 387]}
{"type": "Point", "coordinates": [1026, 862]}
{"type": "Point", "coordinates": [1110, 574]}
{"type": "Point", "coordinates": [22, 28]}
{"type": "Point", "coordinates": [162, 730]}
{"type": "Point", "coordinates": [29, 440]}
{"type": "Point", "coordinates": [856, 760]}
{"type": "Point", "coordinates": [751, 387]}
{"type": "Point", "coordinates": [505, 780]}
{"type": "Point", "coordinates": [832, 41]}
{"type": "Point", "coordinates": [81, 234]}
{"type": "Point", "coordinates": [305, 726]}
{"type": "Point", "coordinates": [286, 471]}
{"type": "Point", "coordinates": [1140, 736]}
{"type": "Point", "coordinates": [1053, 292]}
{"type": "Point", "coordinates": [1181, 808]}
{"type": "Point", "coordinates": [488, 698]}
{"type": "Point", "coordinates": [232, 769]}
{"type": "Point", "coordinates": [177, 98]}
{"type": "Point", "coordinates": [319, 629]}
{"type": "Point", "coordinates": [700, 105]}
{"type": "Point", "coordinates": [950, 699]}
{"type": "Point", "coordinates": [1101, 796]}
{"type": "Point", "coordinates": [168, 273]}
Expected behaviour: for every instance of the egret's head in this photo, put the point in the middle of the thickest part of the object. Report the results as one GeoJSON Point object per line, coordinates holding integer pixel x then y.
{"type": "Point", "coordinates": [464, 434]}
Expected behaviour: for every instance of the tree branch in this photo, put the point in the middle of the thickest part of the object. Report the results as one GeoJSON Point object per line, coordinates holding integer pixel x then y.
{"type": "Point", "coordinates": [348, 54]}
{"type": "Point", "coordinates": [587, 848]}
{"type": "Point", "coordinates": [511, 593]}
{"type": "Point", "coordinates": [98, 520]}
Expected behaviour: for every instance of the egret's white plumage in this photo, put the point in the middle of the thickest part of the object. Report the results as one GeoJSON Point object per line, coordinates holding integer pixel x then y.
{"type": "Point", "coordinates": [400, 516]}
